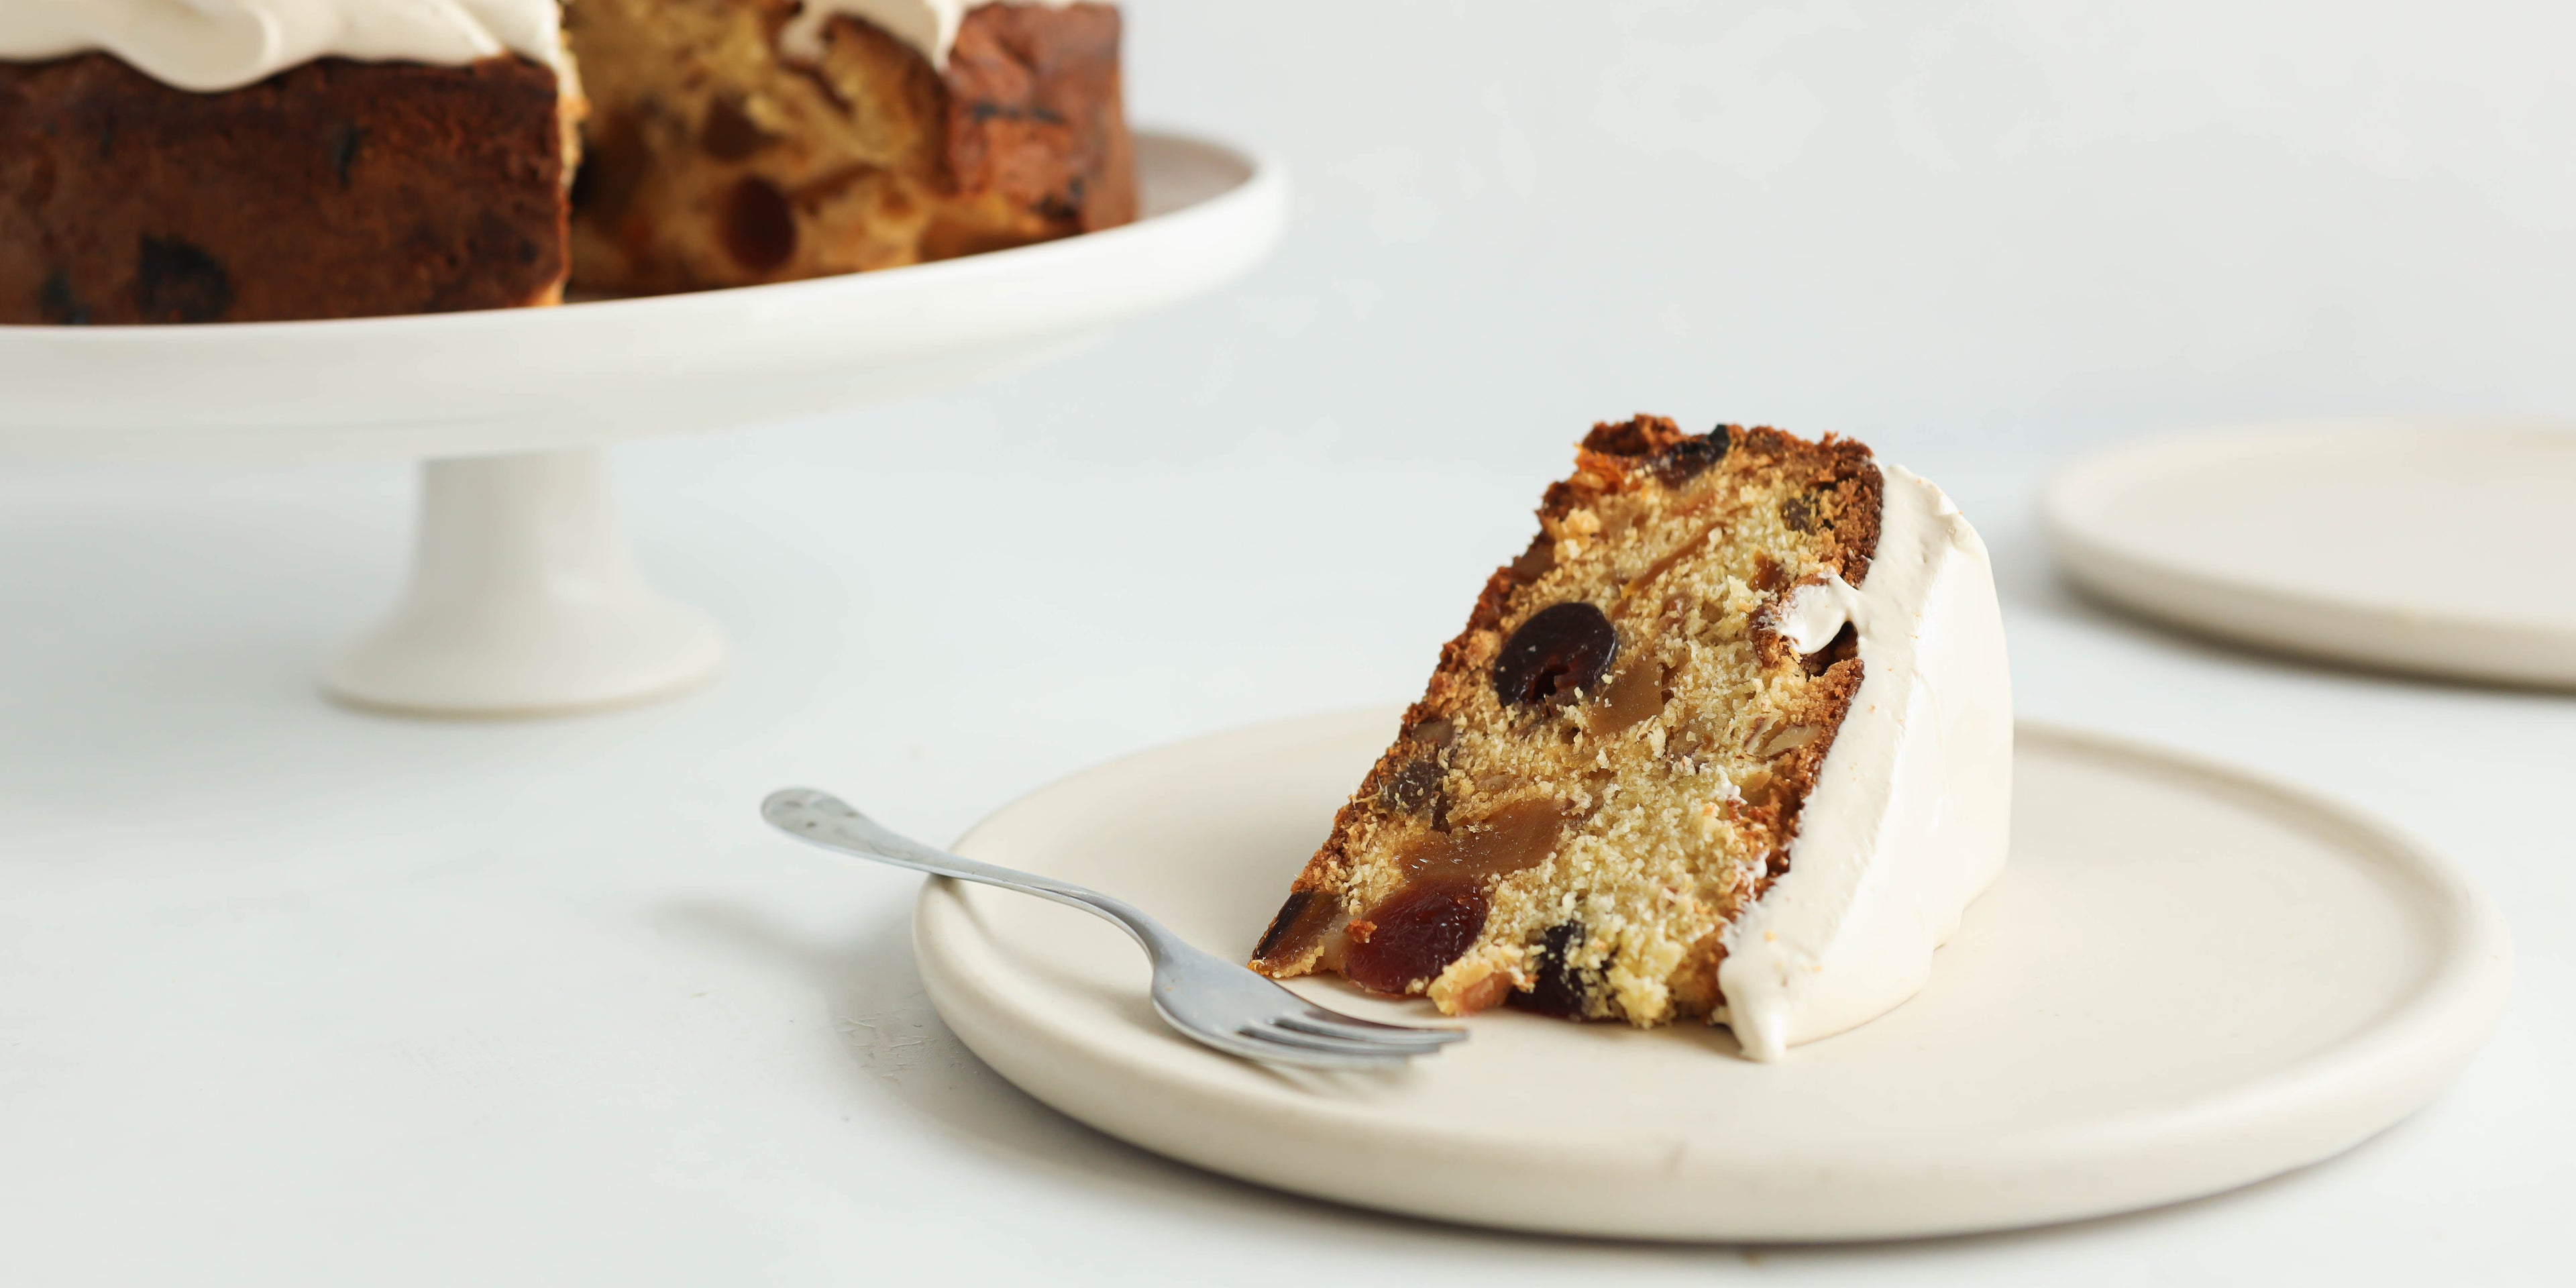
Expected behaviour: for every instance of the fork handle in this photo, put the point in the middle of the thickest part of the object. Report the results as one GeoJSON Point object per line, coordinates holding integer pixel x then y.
{"type": "Point", "coordinates": [820, 818]}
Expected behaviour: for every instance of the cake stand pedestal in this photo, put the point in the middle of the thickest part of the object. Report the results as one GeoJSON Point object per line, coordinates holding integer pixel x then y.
{"type": "Point", "coordinates": [524, 597]}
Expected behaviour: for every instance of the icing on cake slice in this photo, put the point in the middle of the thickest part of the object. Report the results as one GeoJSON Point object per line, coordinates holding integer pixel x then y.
{"type": "Point", "coordinates": [1732, 740]}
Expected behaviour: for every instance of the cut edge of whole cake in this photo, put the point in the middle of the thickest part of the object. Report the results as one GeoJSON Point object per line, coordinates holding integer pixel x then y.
{"type": "Point", "coordinates": [380, 157]}
{"type": "Point", "coordinates": [737, 142]}
{"type": "Point", "coordinates": [1730, 740]}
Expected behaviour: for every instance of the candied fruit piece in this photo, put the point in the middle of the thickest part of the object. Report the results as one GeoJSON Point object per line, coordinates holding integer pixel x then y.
{"type": "Point", "coordinates": [1411, 788]}
{"type": "Point", "coordinates": [1635, 696]}
{"type": "Point", "coordinates": [759, 226]}
{"type": "Point", "coordinates": [1561, 989]}
{"type": "Point", "coordinates": [1560, 651]}
{"type": "Point", "coordinates": [1516, 837]}
{"type": "Point", "coordinates": [1414, 935]}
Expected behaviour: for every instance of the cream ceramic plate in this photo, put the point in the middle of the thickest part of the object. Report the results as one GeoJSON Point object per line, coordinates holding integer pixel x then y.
{"type": "Point", "coordinates": [2186, 981]}
{"type": "Point", "coordinates": [2443, 550]}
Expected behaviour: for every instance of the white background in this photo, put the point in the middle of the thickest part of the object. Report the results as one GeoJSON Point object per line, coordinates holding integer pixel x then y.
{"type": "Point", "coordinates": [290, 994]}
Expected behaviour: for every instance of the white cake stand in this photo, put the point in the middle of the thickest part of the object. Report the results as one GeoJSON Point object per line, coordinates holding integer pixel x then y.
{"type": "Point", "coordinates": [524, 598]}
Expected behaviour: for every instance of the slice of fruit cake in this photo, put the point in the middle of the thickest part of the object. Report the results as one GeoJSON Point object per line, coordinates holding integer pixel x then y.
{"type": "Point", "coordinates": [1732, 739]}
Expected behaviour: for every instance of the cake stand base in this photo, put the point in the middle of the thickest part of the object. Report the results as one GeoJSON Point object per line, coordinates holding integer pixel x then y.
{"type": "Point", "coordinates": [524, 600]}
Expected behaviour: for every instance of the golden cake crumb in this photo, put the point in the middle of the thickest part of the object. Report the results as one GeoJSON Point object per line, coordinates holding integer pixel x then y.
{"type": "Point", "coordinates": [1608, 764]}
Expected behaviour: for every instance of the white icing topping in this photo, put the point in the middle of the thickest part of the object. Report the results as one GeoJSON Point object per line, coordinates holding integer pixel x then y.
{"type": "Point", "coordinates": [927, 25]}
{"type": "Point", "coordinates": [212, 45]}
{"type": "Point", "coordinates": [1908, 819]}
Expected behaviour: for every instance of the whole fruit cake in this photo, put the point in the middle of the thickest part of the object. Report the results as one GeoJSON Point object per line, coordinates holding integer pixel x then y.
{"type": "Point", "coordinates": [262, 160]}
{"type": "Point", "coordinates": [1731, 740]}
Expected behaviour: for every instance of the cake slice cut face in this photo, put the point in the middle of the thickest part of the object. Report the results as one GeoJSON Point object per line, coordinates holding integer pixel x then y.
{"type": "Point", "coordinates": [1731, 741]}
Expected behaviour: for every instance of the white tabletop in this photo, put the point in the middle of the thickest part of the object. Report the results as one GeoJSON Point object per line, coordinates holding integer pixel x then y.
{"type": "Point", "coordinates": [291, 994]}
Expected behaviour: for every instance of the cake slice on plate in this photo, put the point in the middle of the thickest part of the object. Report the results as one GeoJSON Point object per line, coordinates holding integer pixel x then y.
{"type": "Point", "coordinates": [1732, 740]}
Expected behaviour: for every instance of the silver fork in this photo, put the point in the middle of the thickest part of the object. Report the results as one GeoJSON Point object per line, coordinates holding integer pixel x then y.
{"type": "Point", "coordinates": [1203, 995]}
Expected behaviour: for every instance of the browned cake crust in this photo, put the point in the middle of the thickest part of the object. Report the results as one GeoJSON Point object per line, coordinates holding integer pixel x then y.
{"type": "Point", "coordinates": [1575, 849]}
{"type": "Point", "coordinates": [335, 189]}
{"type": "Point", "coordinates": [713, 160]}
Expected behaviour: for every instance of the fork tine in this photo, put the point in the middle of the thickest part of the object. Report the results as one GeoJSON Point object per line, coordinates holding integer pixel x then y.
{"type": "Point", "coordinates": [1265, 1051]}
{"type": "Point", "coordinates": [1271, 1031]}
{"type": "Point", "coordinates": [1284, 1044]}
{"type": "Point", "coordinates": [1335, 1026]}
{"type": "Point", "coordinates": [1373, 1026]}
